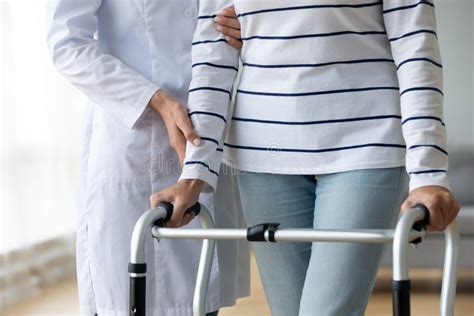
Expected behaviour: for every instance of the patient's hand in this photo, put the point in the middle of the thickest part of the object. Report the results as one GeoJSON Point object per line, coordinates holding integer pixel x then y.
{"type": "Point", "coordinates": [229, 25]}
{"type": "Point", "coordinates": [441, 203]}
{"type": "Point", "coordinates": [183, 195]}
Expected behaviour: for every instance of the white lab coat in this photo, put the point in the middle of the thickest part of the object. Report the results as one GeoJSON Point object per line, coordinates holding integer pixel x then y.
{"type": "Point", "coordinates": [118, 53]}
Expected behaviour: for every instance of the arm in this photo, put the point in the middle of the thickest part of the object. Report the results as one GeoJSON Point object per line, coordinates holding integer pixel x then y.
{"type": "Point", "coordinates": [104, 79]}
{"type": "Point", "coordinates": [215, 66]}
{"type": "Point", "coordinates": [411, 28]}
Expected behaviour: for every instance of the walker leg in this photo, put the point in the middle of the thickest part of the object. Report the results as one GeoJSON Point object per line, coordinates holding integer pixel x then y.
{"type": "Point", "coordinates": [401, 297]}
{"type": "Point", "coordinates": [401, 279]}
{"type": "Point", "coordinates": [137, 296]}
{"type": "Point", "coordinates": [448, 291]}
{"type": "Point", "coordinates": [137, 266]}
{"type": "Point", "coordinates": [205, 265]}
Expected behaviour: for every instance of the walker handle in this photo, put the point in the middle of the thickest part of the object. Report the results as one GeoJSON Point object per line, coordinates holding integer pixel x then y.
{"type": "Point", "coordinates": [426, 220]}
{"type": "Point", "coordinates": [196, 209]}
{"type": "Point", "coordinates": [420, 225]}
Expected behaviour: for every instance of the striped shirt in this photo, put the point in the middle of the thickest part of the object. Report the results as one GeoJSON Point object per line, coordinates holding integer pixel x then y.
{"type": "Point", "coordinates": [327, 86]}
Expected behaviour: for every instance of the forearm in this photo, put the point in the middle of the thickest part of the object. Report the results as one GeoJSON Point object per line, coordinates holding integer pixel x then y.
{"type": "Point", "coordinates": [215, 66]}
{"type": "Point", "coordinates": [411, 28]}
{"type": "Point", "coordinates": [104, 79]}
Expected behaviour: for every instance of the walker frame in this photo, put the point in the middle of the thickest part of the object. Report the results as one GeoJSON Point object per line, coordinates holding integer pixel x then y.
{"type": "Point", "coordinates": [409, 230]}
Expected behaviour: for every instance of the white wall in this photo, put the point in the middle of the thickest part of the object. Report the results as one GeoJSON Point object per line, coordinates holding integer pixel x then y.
{"type": "Point", "coordinates": [456, 34]}
{"type": "Point", "coordinates": [40, 117]}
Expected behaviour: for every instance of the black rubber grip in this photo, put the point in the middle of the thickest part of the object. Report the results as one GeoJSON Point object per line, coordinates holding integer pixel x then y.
{"type": "Point", "coordinates": [196, 209]}
{"type": "Point", "coordinates": [426, 220]}
{"type": "Point", "coordinates": [420, 225]}
{"type": "Point", "coordinates": [401, 298]}
{"type": "Point", "coordinates": [137, 305]}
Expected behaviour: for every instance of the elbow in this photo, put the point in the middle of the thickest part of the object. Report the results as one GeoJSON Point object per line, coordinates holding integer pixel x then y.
{"type": "Point", "coordinates": [69, 56]}
{"type": "Point", "coordinates": [61, 59]}
{"type": "Point", "coordinates": [67, 50]}
{"type": "Point", "coordinates": [61, 53]}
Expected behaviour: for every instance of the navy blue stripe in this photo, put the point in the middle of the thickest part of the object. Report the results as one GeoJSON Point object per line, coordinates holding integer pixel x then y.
{"type": "Point", "coordinates": [209, 42]}
{"type": "Point", "coordinates": [431, 146]}
{"type": "Point", "coordinates": [296, 150]}
{"type": "Point", "coordinates": [345, 62]}
{"type": "Point", "coordinates": [408, 7]}
{"type": "Point", "coordinates": [419, 59]}
{"type": "Point", "coordinates": [212, 140]}
{"type": "Point", "coordinates": [416, 118]}
{"type": "Point", "coordinates": [355, 119]}
{"type": "Point", "coordinates": [207, 17]}
{"type": "Point", "coordinates": [421, 89]}
{"type": "Point", "coordinates": [202, 164]}
{"type": "Point", "coordinates": [209, 114]}
{"type": "Point", "coordinates": [220, 150]}
{"type": "Point", "coordinates": [428, 171]}
{"type": "Point", "coordinates": [274, 94]}
{"type": "Point", "coordinates": [216, 66]}
{"type": "Point", "coordinates": [211, 89]}
{"type": "Point", "coordinates": [313, 35]}
{"type": "Point", "coordinates": [354, 6]}
{"type": "Point", "coordinates": [411, 34]}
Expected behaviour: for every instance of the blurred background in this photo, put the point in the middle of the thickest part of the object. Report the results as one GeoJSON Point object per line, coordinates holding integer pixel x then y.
{"type": "Point", "coordinates": [40, 119]}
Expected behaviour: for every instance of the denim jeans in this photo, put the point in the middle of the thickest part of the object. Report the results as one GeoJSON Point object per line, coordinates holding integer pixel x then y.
{"type": "Point", "coordinates": [326, 279]}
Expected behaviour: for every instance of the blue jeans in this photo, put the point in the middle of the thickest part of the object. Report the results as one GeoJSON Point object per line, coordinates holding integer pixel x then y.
{"type": "Point", "coordinates": [327, 279]}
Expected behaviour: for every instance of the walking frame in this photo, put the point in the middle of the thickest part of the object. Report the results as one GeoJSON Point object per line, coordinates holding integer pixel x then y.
{"type": "Point", "coordinates": [410, 229]}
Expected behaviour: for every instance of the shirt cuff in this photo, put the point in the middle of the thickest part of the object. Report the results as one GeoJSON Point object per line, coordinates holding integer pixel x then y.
{"type": "Point", "coordinates": [141, 107]}
{"type": "Point", "coordinates": [432, 178]}
{"type": "Point", "coordinates": [201, 171]}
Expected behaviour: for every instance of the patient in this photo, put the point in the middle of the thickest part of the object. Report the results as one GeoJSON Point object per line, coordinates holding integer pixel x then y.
{"type": "Point", "coordinates": [338, 111]}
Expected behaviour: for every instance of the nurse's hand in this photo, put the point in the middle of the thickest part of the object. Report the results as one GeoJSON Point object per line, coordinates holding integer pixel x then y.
{"type": "Point", "coordinates": [440, 202]}
{"type": "Point", "coordinates": [177, 122]}
{"type": "Point", "coordinates": [182, 195]}
{"type": "Point", "coordinates": [229, 26]}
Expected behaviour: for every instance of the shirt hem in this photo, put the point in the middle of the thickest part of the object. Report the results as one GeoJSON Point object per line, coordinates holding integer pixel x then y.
{"type": "Point", "coordinates": [242, 166]}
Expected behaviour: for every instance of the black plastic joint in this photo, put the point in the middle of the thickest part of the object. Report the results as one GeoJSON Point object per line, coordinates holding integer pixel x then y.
{"type": "Point", "coordinates": [257, 232]}
{"type": "Point", "coordinates": [402, 286]}
{"type": "Point", "coordinates": [137, 268]}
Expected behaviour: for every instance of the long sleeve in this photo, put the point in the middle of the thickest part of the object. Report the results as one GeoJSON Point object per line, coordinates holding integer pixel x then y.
{"type": "Point", "coordinates": [411, 28]}
{"type": "Point", "coordinates": [215, 67]}
{"type": "Point", "coordinates": [104, 79]}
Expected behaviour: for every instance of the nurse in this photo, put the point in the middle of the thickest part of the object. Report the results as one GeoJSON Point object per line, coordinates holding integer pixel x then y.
{"type": "Point", "coordinates": [132, 59]}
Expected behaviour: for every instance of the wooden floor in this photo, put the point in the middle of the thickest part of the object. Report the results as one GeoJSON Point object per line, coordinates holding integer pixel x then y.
{"type": "Point", "coordinates": [62, 300]}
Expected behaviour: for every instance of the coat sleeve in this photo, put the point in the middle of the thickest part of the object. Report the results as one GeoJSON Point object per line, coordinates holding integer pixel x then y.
{"type": "Point", "coordinates": [76, 54]}
{"type": "Point", "coordinates": [411, 28]}
{"type": "Point", "coordinates": [215, 67]}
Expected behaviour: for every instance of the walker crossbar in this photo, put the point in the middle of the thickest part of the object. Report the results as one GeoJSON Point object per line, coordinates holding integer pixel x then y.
{"type": "Point", "coordinates": [409, 230]}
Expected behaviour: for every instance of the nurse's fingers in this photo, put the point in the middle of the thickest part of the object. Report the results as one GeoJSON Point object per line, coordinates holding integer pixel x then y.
{"type": "Point", "coordinates": [229, 26]}
{"type": "Point", "coordinates": [229, 12]}
{"type": "Point", "coordinates": [234, 42]}
{"type": "Point", "coordinates": [228, 31]}
{"type": "Point", "coordinates": [178, 143]}
{"type": "Point", "coordinates": [227, 22]}
{"type": "Point", "coordinates": [185, 125]}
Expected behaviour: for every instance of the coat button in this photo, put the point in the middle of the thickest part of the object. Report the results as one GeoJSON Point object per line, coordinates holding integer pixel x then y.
{"type": "Point", "coordinates": [190, 13]}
